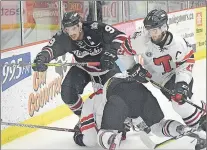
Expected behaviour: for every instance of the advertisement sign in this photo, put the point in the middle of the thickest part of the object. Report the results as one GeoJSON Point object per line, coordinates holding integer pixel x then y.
{"type": "Point", "coordinates": [182, 24]}
{"type": "Point", "coordinates": [200, 28]}
{"type": "Point", "coordinates": [13, 75]}
{"type": "Point", "coordinates": [25, 93]}
{"type": "Point", "coordinates": [82, 7]}
{"type": "Point", "coordinates": [43, 91]}
{"type": "Point", "coordinates": [46, 88]}
{"type": "Point", "coordinates": [112, 12]}
{"type": "Point", "coordinates": [128, 28]}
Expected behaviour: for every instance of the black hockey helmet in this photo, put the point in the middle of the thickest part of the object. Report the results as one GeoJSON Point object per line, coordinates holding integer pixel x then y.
{"type": "Point", "coordinates": [155, 18]}
{"type": "Point", "coordinates": [70, 19]}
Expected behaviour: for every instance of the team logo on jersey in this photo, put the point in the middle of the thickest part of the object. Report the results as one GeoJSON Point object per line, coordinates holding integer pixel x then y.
{"type": "Point", "coordinates": [136, 34]}
{"type": "Point", "coordinates": [81, 54]}
{"type": "Point", "coordinates": [90, 40]}
{"type": "Point", "coordinates": [148, 54]}
{"type": "Point", "coordinates": [80, 43]}
{"type": "Point", "coordinates": [94, 25]}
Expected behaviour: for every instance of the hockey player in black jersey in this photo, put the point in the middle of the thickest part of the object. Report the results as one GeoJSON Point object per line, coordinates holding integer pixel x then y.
{"type": "Point", "coordinates": [121, 102]}
{"type": "Point", "coordinates": [88, 42]}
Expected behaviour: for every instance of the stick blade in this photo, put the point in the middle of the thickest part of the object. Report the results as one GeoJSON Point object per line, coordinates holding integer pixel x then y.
{"type": "Point", "coordinates": [146, 140]}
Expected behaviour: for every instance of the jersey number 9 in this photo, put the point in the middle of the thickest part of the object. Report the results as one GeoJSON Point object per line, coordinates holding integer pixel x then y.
{"type": "Point", "coordinates": [109, 29]}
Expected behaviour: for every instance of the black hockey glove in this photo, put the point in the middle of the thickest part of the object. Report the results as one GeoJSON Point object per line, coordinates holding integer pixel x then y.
{"type": "Point", "coordinates": [108, 59]}
{"type": "Point", "coordinates": [40, 61]}
{"type": "Point", "coordinates": [181, 92]}
{"type": "Point", "coordinates": [139, 73]}
{"type": "Point", "coordinates": [127, 127]}
{"type": "Point", "coordinates": [78, 136]}
{"type": "Point", "coordinates": [127, 124]}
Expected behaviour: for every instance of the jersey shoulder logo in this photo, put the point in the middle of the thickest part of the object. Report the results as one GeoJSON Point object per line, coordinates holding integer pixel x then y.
{"type": "Point", "coordinates": [94, 25]}
{"type": "Point", "coordinates": [59, 33]}
{"type": "Point", "coordinates": [136, 34]}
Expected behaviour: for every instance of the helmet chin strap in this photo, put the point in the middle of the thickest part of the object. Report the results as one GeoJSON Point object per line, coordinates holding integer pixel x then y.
{"type": "Point", "coordinates": [163, 35]}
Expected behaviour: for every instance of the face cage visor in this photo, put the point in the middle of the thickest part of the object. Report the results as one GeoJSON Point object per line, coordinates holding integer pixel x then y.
{"type": "Point", "coordinates": [155, 31]}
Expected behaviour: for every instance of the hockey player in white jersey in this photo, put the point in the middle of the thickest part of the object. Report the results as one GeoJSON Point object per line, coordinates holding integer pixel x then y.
{"type": "Point", "coordinates": [168, 60]}
{"type": "Point", "coordinates": [104, 113]}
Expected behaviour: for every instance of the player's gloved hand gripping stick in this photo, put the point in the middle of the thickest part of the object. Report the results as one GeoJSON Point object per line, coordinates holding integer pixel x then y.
{"type": "Point", "coordinates": [171, 93]}
{"type": "Point", "coordinates": [146, 76]}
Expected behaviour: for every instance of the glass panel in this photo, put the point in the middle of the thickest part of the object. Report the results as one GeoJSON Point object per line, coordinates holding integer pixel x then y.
{"type": "Point", "coordinates": [112, 12]}
{"type": "Point", "coordinates": [90, 16]}
{"type": "Point", "coordinates": [41, 20]}
{"type": "Point", "coordinates": [157, 5]}
{"type": "Point", "coordinates": [10, 24]}
{"type": "Point", "coordinates": [177, 5]}
{"type": "Point", "coordinates": [194, 4]}
{"type": "Point", "coordinates": [99, 11]}
{"type": "Point", "coordinates": [135, 9]}
{"type": "Point", "coordinates": [82, 7]}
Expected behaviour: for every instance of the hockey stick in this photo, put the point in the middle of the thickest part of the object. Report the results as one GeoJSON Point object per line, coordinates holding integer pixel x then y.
{"type": "Point", "coordinates": [171, 93]}
{"type": "Point", "coordinates": [56, 64]}
{"type": "Point", "coordinates": [37, 126]}
{"type": "Point", "coordinates": [151, 145]}
{"type": "Point", "coordinates": [188, 133]}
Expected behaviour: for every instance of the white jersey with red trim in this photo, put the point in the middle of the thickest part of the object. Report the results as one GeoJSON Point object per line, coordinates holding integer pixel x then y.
{"type": "Point", "coordinates": [91, 117]}
{"type": "Point", "coordinates": [175, 57]}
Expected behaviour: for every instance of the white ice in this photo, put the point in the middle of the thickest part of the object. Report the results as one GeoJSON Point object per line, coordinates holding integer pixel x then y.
{"type": "Point", "coordinates": [46, 139]}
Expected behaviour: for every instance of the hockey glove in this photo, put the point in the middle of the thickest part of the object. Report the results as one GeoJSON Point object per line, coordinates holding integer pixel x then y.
{"type": "Point", "coordinates": [114, 141]}
{"type": "Point", "coordinates": [126, 129]}
{"type": "Point", "coordinates": [127, 124]}
{"type": "Point", "coordinates": [108, 139]}
{"type": "Point", "coordinates": [40, 63]}
{"type": "Point", "coordinates": [140, 125]}
{"type": "Point", "coordinates": [139, 73]}
{"type": "Point", "coordinates": [108, 59]}
{"type": "Point", "coordinates": [78, 136]}
{"type": "Point", "coordinates": [181, 92]}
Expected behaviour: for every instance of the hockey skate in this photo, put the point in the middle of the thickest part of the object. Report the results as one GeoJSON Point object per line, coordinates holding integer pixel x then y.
{"type": "Point", "coordinates": [199, 135]}
{"type": "Point", "coordinates": [137, 124]}
{"type": "Point", "coordinates": [201, 141]}
{"type": "Point", "coordinates": [140, 125]}
{"type": "Point", "coordinates": [203, 123]}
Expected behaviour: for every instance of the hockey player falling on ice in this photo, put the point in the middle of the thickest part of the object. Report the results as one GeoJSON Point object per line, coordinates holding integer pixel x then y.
{"type": "Point", "coordinates": [105, 112]}
{"type": "Point", "coordinates": [169, 59]}
{"type": "Point", "coordinates": [88, 42]}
